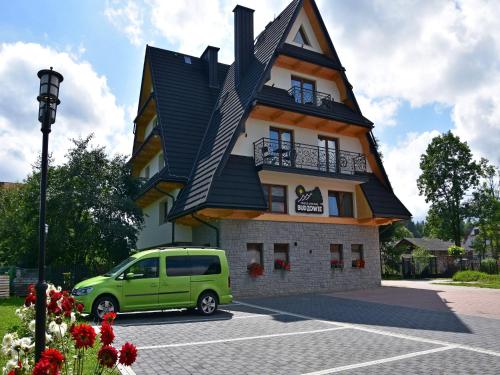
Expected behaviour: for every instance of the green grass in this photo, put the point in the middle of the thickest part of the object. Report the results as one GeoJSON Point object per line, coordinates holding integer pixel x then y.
{"type": "Point", "coordinates": [476, 279]}
{"type": "Point", "coordinates": [9, 321]}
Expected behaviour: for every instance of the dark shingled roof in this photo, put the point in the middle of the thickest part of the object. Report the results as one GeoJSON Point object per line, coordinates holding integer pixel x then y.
{"type": "Point", "coordinates": [310, 56]}
{"type": "Point", "coordinates": [280, 98]}
{"type": "Point", "coordinates": [382, 201]}
{"type": "Point", "coordinates": [185, 102]}
{"type": "Point", "coordinates": [230, 111]}
{"type": "Point", "coordinates": [431, 244]}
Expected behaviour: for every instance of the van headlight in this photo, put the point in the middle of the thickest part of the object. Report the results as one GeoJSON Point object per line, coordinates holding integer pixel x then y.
{"type": "Point", "coordinates": [82, 291]}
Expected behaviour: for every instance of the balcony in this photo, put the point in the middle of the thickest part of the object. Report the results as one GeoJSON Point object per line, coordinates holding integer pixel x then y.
{"type": "Point", "coordinates": [308, 159]}
{"type": "Point", "coordinates": [311, 97]}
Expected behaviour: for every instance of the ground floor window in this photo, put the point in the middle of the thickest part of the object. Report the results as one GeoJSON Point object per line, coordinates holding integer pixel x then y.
{"type": "Point", "coordinates": [357, 256]}
{"type": "Point", "coordinates": [336, 256]}
{"type": "Point", "coordinates": [276, 198]}
{"type": "Point", "coordinates": [255, 259]}
{"type": "Point", "coordinates": [281, 257]}
{"type": "Point", "coordinates": [340, 203]}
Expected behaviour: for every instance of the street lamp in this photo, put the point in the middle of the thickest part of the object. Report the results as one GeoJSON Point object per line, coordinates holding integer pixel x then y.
{"type": "Point", "coordinates": [48, 99]}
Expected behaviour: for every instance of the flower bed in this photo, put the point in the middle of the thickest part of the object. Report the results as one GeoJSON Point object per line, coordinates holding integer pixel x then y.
{"type": "Point", "coordinates": [69, 344]}
{"type": "Point", "coordinates": [280, 264]}
{"type": "Point", "coordinates": [255, 270]}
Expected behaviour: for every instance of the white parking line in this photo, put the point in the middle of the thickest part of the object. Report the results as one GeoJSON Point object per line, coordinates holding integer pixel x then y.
{"type": "Point", "coordinates": [198, 320]}
{"type": "Point", "coordinates": [380, 361]}
{"type": "Point", "coordinates": [377, 331]}
{"type": "Point", "coordinates": [239, 339]}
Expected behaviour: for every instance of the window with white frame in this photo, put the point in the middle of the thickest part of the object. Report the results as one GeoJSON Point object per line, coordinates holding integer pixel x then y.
{"type": "Point", "coordinates": [163, 212]}
{"type": "Point", "coordinates": [357, 256]}
{"type": "Point", "coordinates": [336, 256]}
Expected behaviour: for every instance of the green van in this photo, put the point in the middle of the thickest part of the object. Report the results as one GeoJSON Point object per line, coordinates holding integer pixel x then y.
{"type": "Point", "coordinates": [165, 278]}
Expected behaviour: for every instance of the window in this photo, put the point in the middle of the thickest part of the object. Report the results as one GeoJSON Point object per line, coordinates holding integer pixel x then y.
{"type": "Point", "coordinates": [144, 269]}
{"type": "Point", "coordinates": [301, 37]}
{"type": "Point", "coordinates": [163, 212]}
{"type": "Point", "coordinates": [196, 265]}
{"type": "Point", "coordinates": [303, 90]}
{"type": "Point", "coordinates": [146, 172]}
{"type": "Point", "coordinates": [276, 198]}
{"type": "Point", "coordinates": [340, 203]}
{"type": "Point", "coordinates": [161, 162]}
{"type": "Point", "coordinates": [205, 265]}
{"type": "Point", "coordinates": [336, 256]}
{"type": "Point", "coordinates": [254, 254]}
{"type": "Point", "coordinates": [178, 265]}
{"type": "Point", "coordinates": [357, 256]}
{"type": "Point", "coordinates": [187, 59]}
{"type": "Point", "coordinates": [281, 253]}
{"type": "Point", "coordinates": [328, 149]}
{"type": "Point", "coordinates": [280, 147]}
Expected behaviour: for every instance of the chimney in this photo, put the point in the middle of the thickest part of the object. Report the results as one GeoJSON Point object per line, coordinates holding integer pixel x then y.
{"type": "Point", "coordinates": [209, 58]}
{"type": "Point", "coordinates": [243, 40]}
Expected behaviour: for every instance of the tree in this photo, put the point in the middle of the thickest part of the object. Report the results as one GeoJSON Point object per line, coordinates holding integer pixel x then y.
{"type": "Point", "coordinates": [456, 251]}
{"type": "Point", "coordinates": [484, 211]}
{"type": "Point", "coordinates": [389, 235]}
{"type": "Point", "coordinates": [448, 172]}
{"type": "Point", "coordinates": [91, 216]}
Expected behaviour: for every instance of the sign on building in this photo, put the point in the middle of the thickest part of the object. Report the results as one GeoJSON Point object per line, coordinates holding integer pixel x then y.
{"type": "Point", "coordinates": [308, 202]}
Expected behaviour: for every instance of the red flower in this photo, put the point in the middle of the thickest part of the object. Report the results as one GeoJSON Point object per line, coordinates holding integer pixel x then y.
{"type": "Point", "coordinates": [79, 307]}
{"type": "Point", "coordinates": [54, 357]}
{"type": "Point", "coordinates": [109, 317]}
{"type": "Point", "coordinates": [107, 334]}
{"type": "Point", "coordinates": [107, 356]}
{"type": "Point", "coordinates": [43, 367]}
{"type": "Point", "coordinates": [84, 336]}
{"type": "Point", "coordinates": [280, 264]}
{"type": "Point", "coordinates": [66, 305]}
{"type": "Point", "coordinates": [55, 296]}
{"type": "Point", "coordinates": [30, 300]}
{"type": "Point", "coordinates": [255, 269]}
{"type": "Point", "coordinates": [53, 307]}
{"type": "Point", "coordinates": [31, 289]}
{"type": "Point", "coordinates": [128, 354]}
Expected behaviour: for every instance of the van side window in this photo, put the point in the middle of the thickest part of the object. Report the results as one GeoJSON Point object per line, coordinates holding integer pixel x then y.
{"type": "Point", "coordinates": [205, 265]}
{"type": "Point", "coordinates": [181, 265]}
{"type": "Point", "coordinates": [145, 269]}
{"type": "Point", "coordinates": [178, 265]}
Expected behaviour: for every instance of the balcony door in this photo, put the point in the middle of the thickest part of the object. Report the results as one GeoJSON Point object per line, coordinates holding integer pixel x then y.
{"type": "Point", "coordinates": [303, 90]}
{"type": "Point", "coordinates": [328, 154]}
{"type": "Point", "coordinates": [280, 146]}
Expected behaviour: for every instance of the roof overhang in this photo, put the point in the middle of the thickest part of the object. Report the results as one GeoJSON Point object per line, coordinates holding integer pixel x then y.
{"type": "Point", "coordinates": [146, 151]}
{"type": "Point", "coordinates": [156, 188]}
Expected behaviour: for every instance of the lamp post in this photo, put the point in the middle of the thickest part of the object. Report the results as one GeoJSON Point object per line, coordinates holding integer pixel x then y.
{"type": "Point", "coordinates": [48, 99]}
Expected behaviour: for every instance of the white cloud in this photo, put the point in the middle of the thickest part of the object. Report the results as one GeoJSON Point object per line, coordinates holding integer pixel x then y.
{"type": "Point", "coordinates": [87, 106]}
{"type": "Point", "coordinates": [401, 162]}
{"type": "Point", "coordinates": [128, 18]}
{"type": "Point", "coordinates": [381, 111]}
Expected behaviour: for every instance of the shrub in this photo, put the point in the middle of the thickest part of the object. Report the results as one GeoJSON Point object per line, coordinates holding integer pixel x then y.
{"type": "Point", "coordinates": [456, 251]}
{"type": "Point", "coordinates": [489, 265]}
{"type": "Point", "coordinates": [466, 276]}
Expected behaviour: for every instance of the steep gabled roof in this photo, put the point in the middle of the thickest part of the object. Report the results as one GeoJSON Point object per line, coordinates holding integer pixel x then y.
{"type": "Point", "coordinates": [185, 102]}
{"type": "Point", "coordinates": [230, 112]}
{"type": "Point", "coordinates": [382, 200]}
{"type": "Point", "coordinates": [431, 244]}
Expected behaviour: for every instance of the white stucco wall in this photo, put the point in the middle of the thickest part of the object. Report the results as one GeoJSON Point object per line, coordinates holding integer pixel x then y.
{"type": "Point", "coordinates": [154, 165]}
{"type": "Point", "coordinates": [154, 233]}
{"type": "Point", "coordinates": [309, 182]}
{"type": "Point", "coordinates": [282, 78]}
{"type": "Point", "coordinates": [303, 20]}
{"type": "Point", "coordinates": [257, 129]}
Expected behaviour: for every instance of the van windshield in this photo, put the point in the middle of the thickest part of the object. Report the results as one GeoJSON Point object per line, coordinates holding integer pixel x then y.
{"type": "Point", "coordinates": [118, 267]}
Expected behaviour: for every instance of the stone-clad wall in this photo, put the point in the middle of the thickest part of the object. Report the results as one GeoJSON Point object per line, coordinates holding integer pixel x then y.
{"type": "Point", "coordinates": [309, 252]}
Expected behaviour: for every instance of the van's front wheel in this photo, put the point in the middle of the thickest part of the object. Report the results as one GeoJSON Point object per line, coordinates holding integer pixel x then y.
{"type": "Point", "coordinates": [207, 303]}
{"type": "Point", "coordinates": [104, 305]}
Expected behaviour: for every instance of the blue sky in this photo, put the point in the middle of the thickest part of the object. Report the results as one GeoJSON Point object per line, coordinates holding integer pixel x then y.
{"type": "Point", "coordinates": [418, 69]}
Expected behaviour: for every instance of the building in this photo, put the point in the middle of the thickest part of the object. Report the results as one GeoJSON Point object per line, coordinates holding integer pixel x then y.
{"type": "Point", "coordinates": [270, 158]}
{"type": "Point", "coordinates": [436, 247]}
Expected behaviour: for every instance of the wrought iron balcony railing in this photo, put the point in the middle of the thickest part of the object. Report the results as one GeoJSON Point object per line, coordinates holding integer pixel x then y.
{"type": "Point", "coordinates": [270, 152]}
{"type": "Point", "coordinates": [311, 97]}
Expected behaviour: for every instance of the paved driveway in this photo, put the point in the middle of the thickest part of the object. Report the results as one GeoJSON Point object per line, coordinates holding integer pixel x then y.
{"type": "Point", "coordinates": [370, 332]}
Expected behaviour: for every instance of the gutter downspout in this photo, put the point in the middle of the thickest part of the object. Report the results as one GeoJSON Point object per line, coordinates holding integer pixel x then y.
{"type": "Point", "coordinates": [217, 237]}
{"type": "Point", "coordinates": [173, 200]}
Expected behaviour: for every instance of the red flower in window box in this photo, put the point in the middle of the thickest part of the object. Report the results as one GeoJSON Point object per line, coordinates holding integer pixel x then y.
{"type": "Point", "coordinates": [280, 264]}
{"type": "Point", "coordinates": [359, 263]}
{"type": "Point", "coordinates": [255, 270]}
{"type": "Point", "coordinates": [335, 263]}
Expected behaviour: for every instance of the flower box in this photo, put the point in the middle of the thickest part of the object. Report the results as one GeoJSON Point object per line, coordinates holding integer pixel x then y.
{"type": "Point", "coordinates": [280, 264]}
{"type": "Point", "coordinates": [255, 270]}
{"type": "Point", "coordinates": [358, 263]}
{"type": "Point", "coordinates": [335, 263]}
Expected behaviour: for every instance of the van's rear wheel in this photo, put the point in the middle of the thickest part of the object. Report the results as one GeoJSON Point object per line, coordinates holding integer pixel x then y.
{"type": "Point", "coordinates": [104, 305]}
{"type": "Point", "coordinates": [207, 303]}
